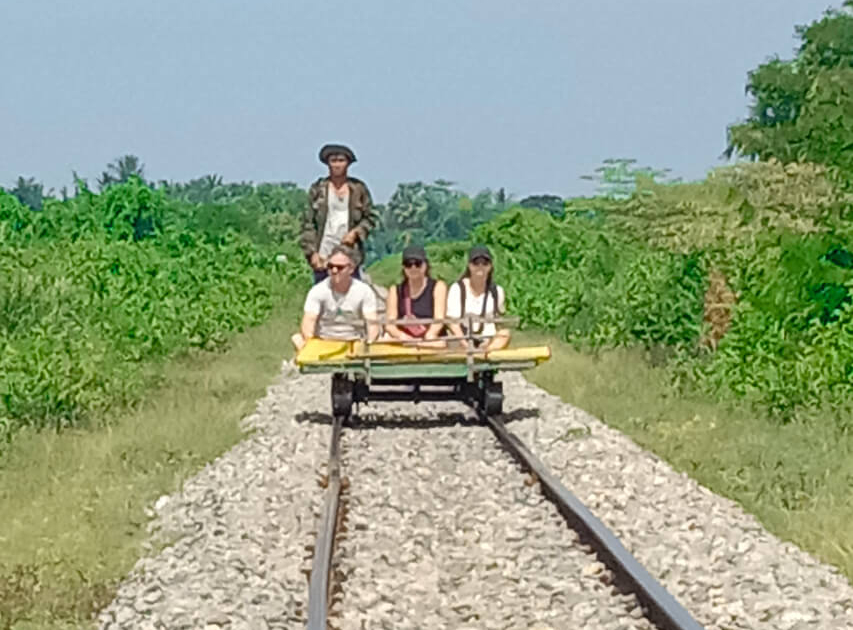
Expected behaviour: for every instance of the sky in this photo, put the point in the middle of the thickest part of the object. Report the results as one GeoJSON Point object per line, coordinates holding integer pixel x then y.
{"type": "Point", "coordinates": [528, 96]}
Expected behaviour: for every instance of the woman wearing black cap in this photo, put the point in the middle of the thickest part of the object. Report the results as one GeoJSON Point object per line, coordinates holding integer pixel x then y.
{"type": "Point", "coordinates": [476, 294]}
{"type": "Point", "coordinates": [418, 296]}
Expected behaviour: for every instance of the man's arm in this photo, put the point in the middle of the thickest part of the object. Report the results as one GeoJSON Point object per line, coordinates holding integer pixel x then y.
{"type": "Point", "coordinates": [368, 216]}
{"type": "Point", "coordinates": [308, 237]}
{"type": "Point", "coordinates": [309, 325]}
{"type": "Point", "coordinates": [372, 325]}
{"type": "Point", "coordinates": [369, 312]}
{"type": "Point", "coordinates": [311, 313]}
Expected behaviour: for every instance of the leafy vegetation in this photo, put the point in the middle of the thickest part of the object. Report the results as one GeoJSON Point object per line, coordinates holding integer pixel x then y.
{"type": "Point", "coordinates": [430, 213]}
{"type": "Point", "coordinates": [802, 109]}
{"type": "Point", "coordinates": [96, 288]}
{"type": "Point", "coordinates": [617, 177]}
{"type": "Point", "coordinates": [786, 341]}
{"type": "Point", "coordinates": [641, 272]}
{"type": "Point", "coordinates": [29, 192]}
{"type": "Point", "coordinates": [121, 170]}
{"type": "Point", "coordinates": [76, 503]}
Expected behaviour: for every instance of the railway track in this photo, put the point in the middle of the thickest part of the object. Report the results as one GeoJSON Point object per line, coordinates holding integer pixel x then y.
{"type": "Point", "coordinates": [628, 575]}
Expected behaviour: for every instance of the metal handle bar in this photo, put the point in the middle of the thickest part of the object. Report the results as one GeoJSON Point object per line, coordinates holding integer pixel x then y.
{"type": "Point", "coordinates": [475, 319]}
{"type": "Point", "coordinates": [408, 342]}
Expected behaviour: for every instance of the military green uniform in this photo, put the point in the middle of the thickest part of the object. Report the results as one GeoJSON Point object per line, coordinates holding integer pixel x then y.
{"type": "Point", "coordinates": [362, 217]}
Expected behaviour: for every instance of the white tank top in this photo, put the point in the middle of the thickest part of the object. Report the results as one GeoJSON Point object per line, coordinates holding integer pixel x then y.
{"type": "Point", "coordinates": [337, 221]}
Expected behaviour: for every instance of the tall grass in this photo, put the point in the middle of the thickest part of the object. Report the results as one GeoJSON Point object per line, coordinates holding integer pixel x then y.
{"type": "Point", "coordinates": [73, 504]}
{"type": "Point", "coordinates": [794, 478]}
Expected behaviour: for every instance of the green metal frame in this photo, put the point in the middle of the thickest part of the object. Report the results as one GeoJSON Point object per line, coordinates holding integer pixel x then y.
{"type": "Point", "coordinates": [378, 369]}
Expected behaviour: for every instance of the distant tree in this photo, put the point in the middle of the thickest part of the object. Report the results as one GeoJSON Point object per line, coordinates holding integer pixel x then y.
{"type": "Point", "coordinates": [617, 177]}
{"type": "Point", "coordinates": [200, 190]}
{"type": "Point", "coordinates": [80, 184]}
{"type": "Point", "coordinates": [419, 212]}
{"type": "Point", "coordinates": [121, 170]}
{"type": "Point", "coordinates": [551, 204]}
{"type": "Point", "coordinates": [282, 198]}
{"type": "Point", "coordinates": [29, 192]}
{"type": "Point", "coordinates": [802, 109]}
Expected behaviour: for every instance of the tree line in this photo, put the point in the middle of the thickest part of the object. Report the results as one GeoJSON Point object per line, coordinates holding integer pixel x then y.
{"type": "Point", "coordinates": [418, 211]}
{"type": "Point", "coordinates": [801, 111]}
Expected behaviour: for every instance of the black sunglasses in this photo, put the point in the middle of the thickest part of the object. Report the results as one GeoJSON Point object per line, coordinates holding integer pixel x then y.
{"type": "Point", "coordinates": [480, 261]}
{"type": "Point", "coordinates": [334, 267]}
{"type": "Point", "coordinates": [412, 263]}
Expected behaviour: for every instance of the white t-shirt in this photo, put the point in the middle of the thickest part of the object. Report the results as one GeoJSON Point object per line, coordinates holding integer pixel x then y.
{"type": "Point", "coordinates": [337, 221]}
{"type": "Point", "coordinates": [474, 304]}
{"type": "Point", "coordinates": [335, 308]}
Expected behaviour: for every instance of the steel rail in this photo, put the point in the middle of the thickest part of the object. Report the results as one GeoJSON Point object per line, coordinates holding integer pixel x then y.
{"type": "Point", "coordinates": [662, 607]}
{"type": "Point", "coordinates": [318, 588]}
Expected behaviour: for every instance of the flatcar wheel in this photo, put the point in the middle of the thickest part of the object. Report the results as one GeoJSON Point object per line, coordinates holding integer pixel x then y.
{"type": "Point", "coordinates": [342, 395]}
{"type": "Point", "coordinates": [493, 399]}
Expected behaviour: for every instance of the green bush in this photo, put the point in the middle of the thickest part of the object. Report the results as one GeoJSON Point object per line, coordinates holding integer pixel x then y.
{"type": "Point", "coordinates": [598, 288]}
{"type": "Point", "coordinates": [94, 289]}
{"type": "Point", "coordinates": [789, 346]}
{"type": "Point", "coordinates": [732, 206]}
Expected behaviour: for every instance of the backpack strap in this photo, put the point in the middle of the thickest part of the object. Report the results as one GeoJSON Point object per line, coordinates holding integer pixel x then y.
{"type": "Point", "coordinates": [493, 289]}
{"type": "Point", "coordinates": [462, 296]}
{"type": "Point", "coordinates": [407, 299]}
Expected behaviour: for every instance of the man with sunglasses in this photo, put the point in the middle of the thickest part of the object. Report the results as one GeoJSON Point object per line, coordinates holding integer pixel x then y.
{"type": "Point", "coordinates": [339, 212]}
{"type": "Point", "coordinates": [336, 307]}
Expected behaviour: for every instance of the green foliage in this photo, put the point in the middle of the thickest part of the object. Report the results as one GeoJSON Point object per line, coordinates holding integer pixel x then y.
{"type": "Point", "coordinates": [269, 213]}
{"type": "Point", "coordinates": [617, 177]}
{"type": "Point", "coordinates": [802, 109]}
{"type": "Point", "coordinates": [552, 204]}
{"type": "Point", "coordinates": [121, 170]}
{"type": "Point", "coordinates": [581, 278]}
{"type": "Point", "coordinates": [597, 287]}
{"type": "Point", "coordinates": [284, 197]}
{"type": "Point", "coordinates": [779, 234]}
{"type": "Point", "coordinates": [635, 272]}
{"type": "Point", "coordinates": [29, 192]}
{"type": "Point", "coordinates": [430, 213]}
{"type": "Point", "coordinates": [790, 346]}
{"type": "Point", "coordinates": [732, 207]}
{"type": "Point", "coordinates": [94, 289]}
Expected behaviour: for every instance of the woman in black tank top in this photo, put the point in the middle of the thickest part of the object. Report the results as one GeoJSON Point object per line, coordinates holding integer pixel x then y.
{"type": "Point", "coordinates": [417, 297]}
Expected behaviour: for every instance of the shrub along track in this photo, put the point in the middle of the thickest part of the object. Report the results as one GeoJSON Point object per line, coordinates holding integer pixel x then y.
{"type": "Point", "coordinates": [444, 532]}
{"type": "Point", "coordinates": [625, 573]}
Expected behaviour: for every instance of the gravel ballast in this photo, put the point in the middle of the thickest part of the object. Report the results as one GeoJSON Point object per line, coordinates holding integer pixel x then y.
{"type": "Point", "coordinates": [445, 531]}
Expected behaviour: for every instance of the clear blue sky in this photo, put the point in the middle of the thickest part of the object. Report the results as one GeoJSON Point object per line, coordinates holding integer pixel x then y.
{"type": "Point", "coordinates": [488, 93]}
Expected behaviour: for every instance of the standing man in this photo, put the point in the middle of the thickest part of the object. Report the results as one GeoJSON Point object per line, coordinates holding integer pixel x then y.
{"type": "Point", "coordinates": [339, 212]}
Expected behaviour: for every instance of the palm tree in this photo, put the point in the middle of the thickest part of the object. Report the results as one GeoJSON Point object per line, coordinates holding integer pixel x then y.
{"type": "Point", "coordinates": [120, 170]}
{"type": "Point", "coordinates": [29, 192]}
